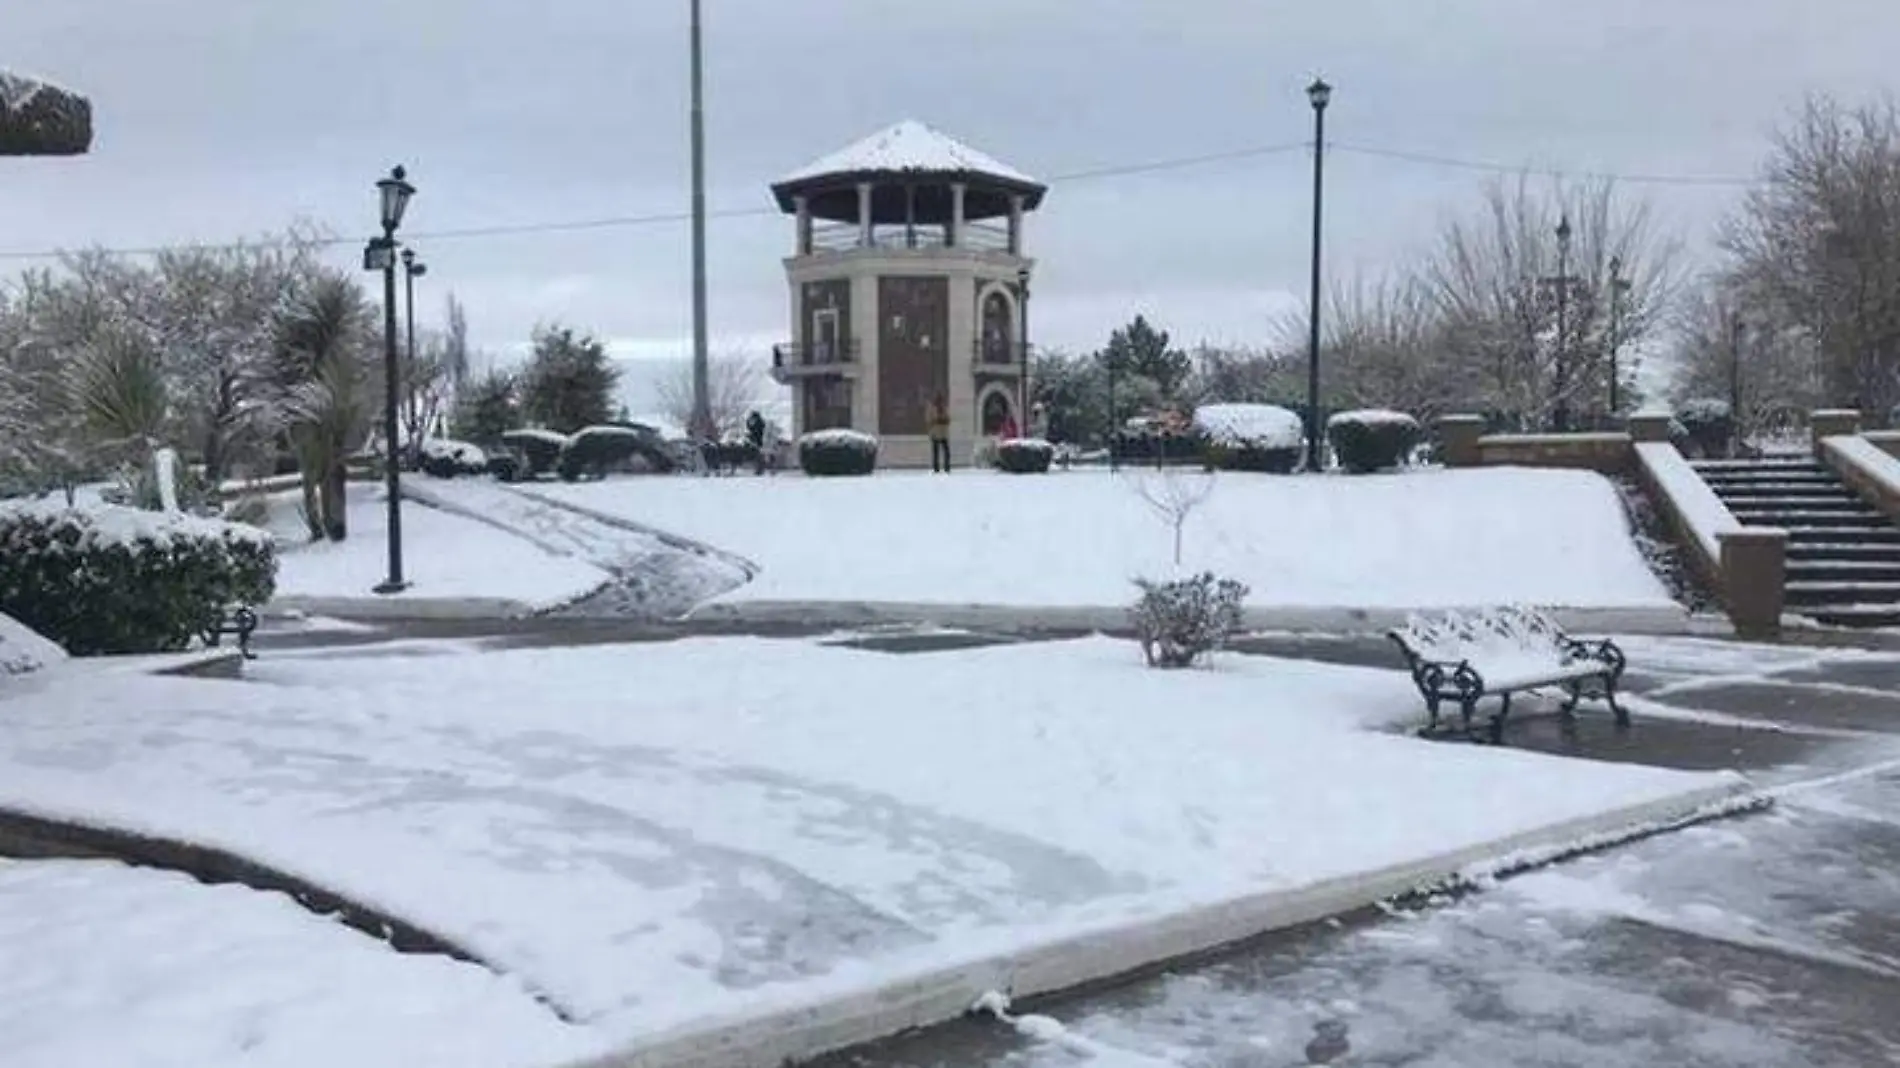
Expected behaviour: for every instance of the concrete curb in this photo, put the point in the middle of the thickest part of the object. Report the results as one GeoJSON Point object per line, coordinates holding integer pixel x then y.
{"type": "Point", "coordinates": [789, 1035]}
{"type": "Point", "coordinates": [1657, 620]}
{"type": "Point", "coordinates": [402, 606]}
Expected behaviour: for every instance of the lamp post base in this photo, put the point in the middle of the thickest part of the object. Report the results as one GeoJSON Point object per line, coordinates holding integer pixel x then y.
{"type": "Point", "coordinates": [386, 587]}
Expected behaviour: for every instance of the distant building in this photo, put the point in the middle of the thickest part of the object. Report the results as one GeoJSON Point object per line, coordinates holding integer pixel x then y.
{"type": "Point", "coordinates": [905, 285]}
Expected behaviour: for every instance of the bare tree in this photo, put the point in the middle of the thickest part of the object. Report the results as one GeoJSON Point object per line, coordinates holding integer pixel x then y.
{"type": "Point", "coordinates": [1730, 347]}
{"type": "Point", "coordinates": [1173, 494]}
{"type": "Point", "coordinates": [1817, 245]}
{"type": "Point", "coordinates": [735, 386]}
{"type": "Point", "coordinates": [1501, 291]}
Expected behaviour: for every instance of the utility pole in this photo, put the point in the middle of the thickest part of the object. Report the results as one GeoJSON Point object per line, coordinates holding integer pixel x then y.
{"type": "Point", "coordinates": [702, 411]}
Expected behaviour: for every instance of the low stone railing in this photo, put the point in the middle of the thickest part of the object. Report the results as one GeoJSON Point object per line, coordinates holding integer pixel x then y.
{"type": "Point", "coordinates": [1745, 566]}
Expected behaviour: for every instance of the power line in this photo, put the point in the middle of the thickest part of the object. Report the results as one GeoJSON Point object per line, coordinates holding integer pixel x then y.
{"type": "Point", "coordinates": [1113, 171]}
{"type": "Point", "coordinates": [1433, 160]}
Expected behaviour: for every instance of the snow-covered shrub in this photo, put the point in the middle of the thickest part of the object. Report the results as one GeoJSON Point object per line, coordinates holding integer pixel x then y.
{"type": "Point", "coordinates": [1178, 622]}
{"type": "Point", "coordinates": [1372, 440]}
{"type": "Point", "coordinates": [1024, 456]}
{"type": "Point", "coordinates": [1709, 424]}
{"type": "Point", "coordinates": [1249, 437]}
{"type": "Point", "coordinates": [593, 451]}
{"type": "Point", "coordinates": [540, 448]}
{"type": "Point", "coordinates": [837, 452]}
{"type": "Point", "coordinates": [447, 458]}
{"type": "Point", "coordinates": [23, 651]}
{"type": "Point", "coordinates": [102, 578]}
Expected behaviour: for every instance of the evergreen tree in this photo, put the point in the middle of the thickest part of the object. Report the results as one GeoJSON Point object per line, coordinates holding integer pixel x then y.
{"type": "Point", "coordinates": [570, 381]}
{"type": "Point", "coordinates": [1138, 350]}
{"type": "Point", "coordinates": [486, 408]}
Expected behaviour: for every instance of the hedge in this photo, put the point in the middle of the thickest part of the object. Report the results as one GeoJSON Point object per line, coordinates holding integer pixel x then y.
{"type": "Point", "coordinates": [104, 579]}
{"type": "Point", "coordinates": [1372, 440]}
{"type": "Point", "coordinates": [837, 452]}
{"type": "Point", "coordinates": [1024, 456]}
{"type": "Point", "coordinates": [1249, 437]}
{"type": "Point", "coordinates": [595, 450]}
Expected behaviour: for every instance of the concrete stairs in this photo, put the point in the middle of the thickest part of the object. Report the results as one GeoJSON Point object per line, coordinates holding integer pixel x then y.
{"type": "Point", "coordinates": [1843, 555]}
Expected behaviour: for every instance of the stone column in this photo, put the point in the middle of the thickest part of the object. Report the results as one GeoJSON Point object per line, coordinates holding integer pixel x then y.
{"type": "Point", "coordinates": [962, 341]}
{"type": "Point", "coordinates": [865, 236]}
{"type": "Point", "coordinates": [1458, 440]}
{"type": "Point", "coordinates": [864, 329]}
{"type": "Point", "coordinates": [1831, 423]}
{"type": "Point", "coordinates": [803, 240]}
{"type": "Point", "coordinates": [1754, 579]}
{"type": "Point", "coordinates": [1016, 224]}
{"type": "Point", "coordinates": [1650, 427]}
{"type": "Point", "coordinates": [954, 237]}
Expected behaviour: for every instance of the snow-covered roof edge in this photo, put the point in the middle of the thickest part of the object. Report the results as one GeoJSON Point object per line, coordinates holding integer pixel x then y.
{"type": "Point", "coordinates": [908, 146]}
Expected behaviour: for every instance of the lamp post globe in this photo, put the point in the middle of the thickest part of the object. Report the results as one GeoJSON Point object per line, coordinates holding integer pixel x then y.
{"type": "Point", "coordinates": [394, 193]}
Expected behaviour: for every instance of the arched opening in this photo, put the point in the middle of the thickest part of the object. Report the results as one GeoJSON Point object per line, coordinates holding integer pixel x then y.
{"type": "Point", "coordinates": [996, 407]}
{"type": "Point", "coordinates": [999, 336]}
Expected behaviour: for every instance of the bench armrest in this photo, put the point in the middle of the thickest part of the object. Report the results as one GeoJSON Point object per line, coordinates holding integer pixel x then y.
{"type": "Point", "coordinates": [1601, 650]}
{"type": "Point", "coordinates": [1439, 678]}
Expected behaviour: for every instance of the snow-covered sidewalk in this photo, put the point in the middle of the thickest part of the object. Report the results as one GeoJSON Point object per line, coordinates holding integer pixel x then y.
{"type": "Point", "coordinates": [675, 839]}
{"type": "Point", "coordinates": [1421, 539]}
{"type": "Point", "coordinates": [115, 966]}
{"type": "Point", "coordinates": [455, 565]}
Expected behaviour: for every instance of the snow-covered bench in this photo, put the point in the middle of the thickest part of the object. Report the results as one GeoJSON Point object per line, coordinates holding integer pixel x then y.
{"type": "Point", "coordinates": [239, 621]}
{"type": "Point", "coordinates": [1465, 656]}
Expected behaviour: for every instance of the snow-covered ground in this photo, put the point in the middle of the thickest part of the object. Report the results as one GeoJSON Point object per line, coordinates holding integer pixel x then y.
{"type": "Point", "coordinates": [114, 966]}
{"type": "Point", "coordinates": [658, 836]}
{"type": "Point", "coordinates": [1076, 539]}
{"type": "Point", "coordinates": [446, 559]}
{"type": "Point", "coordinates": [22, 651]}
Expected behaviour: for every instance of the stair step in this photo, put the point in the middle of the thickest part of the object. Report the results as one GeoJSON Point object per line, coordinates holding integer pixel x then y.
{"type": "Point", "coordinates": [1746, 477]}
{"type": "Point", "coordinates": [1757, 465]}
{"type": "Point", "coordinates": [1853, 615]}
{"type": "Point", "coordinates": [1841, 553]}
{"type": "Point", "coordinates": [1859, 536]}
{"type": "Point", "coordinates": [1810, 593]}
{"type": "Point", "coordinates": [1766, 517]}
{"type": "Point", "coordinates": [1839, 570]}
{"type": "Point", "coordinates": [1766, 490]}
{"type": "Point", "coordinates": [1797, 504]}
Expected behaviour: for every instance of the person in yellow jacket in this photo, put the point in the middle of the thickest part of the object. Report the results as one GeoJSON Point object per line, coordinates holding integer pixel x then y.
{"type": "Point", "coordinates": [937, 421]}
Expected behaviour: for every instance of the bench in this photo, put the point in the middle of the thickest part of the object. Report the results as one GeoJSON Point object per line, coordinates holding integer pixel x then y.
{"type": "Point", "coordinates": [1466, 656]}
{"type": "Point", "coordinates": [239, 621]}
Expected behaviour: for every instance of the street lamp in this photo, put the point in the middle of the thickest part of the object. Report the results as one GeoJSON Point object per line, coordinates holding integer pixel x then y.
{"type": "Point", "coordinates": [1619, 289]}
{"type": "Point", "coordinates": [1320, 94]}
{"type": "Point", "coordinates": [1022, 379]}
{"type": "Point", "coordinates": [1562, 412]}
{"type": "Point", "coordinates": [412, 269]}
{"type": "Point", "coordinates": [380, 255]}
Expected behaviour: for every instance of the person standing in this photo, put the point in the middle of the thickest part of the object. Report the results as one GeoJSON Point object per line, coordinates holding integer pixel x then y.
{"type": "Point", "coordinates": [755, 440]}
{"type": "Point", "coordinates": [937, 420]}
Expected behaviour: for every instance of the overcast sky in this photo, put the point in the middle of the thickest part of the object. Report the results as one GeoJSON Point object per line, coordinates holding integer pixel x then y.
{"type": "Point", "coordinates": [220, 118]}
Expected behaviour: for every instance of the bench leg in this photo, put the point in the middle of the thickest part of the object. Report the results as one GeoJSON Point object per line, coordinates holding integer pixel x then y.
{"type": "Point", "coordinates": [1467, 709]}
{"type": "Point", "coordinates": [1575, 688]}
{"type": "Point", "coordinates": [1496, 731]}
{"type": "Point", "coordinates": [1609, 695]}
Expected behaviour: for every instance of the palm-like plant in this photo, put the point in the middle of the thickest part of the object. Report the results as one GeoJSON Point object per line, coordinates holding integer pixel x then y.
{"type": "Point", "coordinates": [327, 389]}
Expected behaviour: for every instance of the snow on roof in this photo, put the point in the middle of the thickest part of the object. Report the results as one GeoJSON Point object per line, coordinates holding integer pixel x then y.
{"type": "Point", "coordinates": [908, 146]}
{"type": "Point", "coordinates": [18, 90]}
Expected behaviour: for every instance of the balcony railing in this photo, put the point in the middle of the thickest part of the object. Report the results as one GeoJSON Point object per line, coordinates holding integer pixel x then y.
{"type": "Point", "coordinates": [814, 358]}
{"type": "Point", "coordinates": [842, 237]}
{"type": "Point", "coordinates": [996, 355]}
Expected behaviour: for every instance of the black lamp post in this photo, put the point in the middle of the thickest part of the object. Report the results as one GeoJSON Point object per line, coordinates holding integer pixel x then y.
{"type": "Point", "coordinates": [1022, 380]}
{"type": "Point", "coordinates": [1320, 94]}
{"type": "Point", "coordinates": [1562, 412]}
{"type": "Point", "coordinates": [412, 269]}
{"type": "Point", "coordinates": [380, 255]}
{"type": "Point", "coordinates": [1619, 288]}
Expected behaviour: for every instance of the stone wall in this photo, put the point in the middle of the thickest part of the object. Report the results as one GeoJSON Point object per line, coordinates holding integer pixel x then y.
{"type": "Point", "coordinates": [1607, 454]}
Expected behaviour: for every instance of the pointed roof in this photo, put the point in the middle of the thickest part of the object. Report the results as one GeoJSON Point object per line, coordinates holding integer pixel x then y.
{"type": "Point", "coordinates": [905, 148]}
{"type": "Point", "coordinates": [38, 118]}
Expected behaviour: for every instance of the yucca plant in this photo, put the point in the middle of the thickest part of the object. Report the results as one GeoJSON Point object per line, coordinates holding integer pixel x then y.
{"type": "Point", "coordinates": [328, 393]}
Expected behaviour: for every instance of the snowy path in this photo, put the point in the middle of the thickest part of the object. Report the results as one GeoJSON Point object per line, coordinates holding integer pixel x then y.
{"type": "Point", "coordinates": [1759, 942]}
{"type": "Point", "coordinates": [661, 835]}
{"type": "Point", "coordinates": [653, 577]}
{"type": "Point", "coordinates": [108, 965]}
